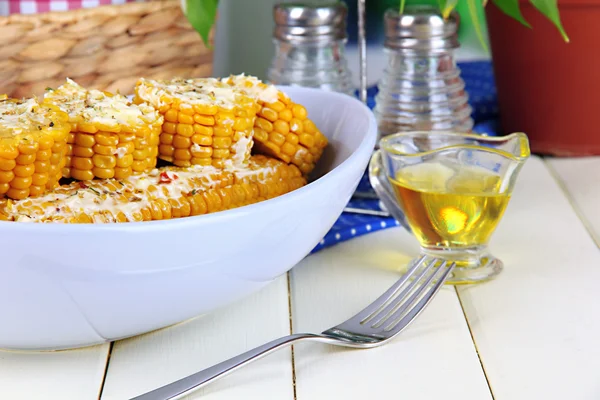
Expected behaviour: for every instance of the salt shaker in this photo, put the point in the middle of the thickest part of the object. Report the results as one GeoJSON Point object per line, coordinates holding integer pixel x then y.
{"type": "Point", "coordinates": [310, 45]}
{"type": "Point", "coordinates": [421, 88]}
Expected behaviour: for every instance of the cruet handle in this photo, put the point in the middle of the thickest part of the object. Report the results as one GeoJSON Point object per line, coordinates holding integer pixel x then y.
{"type": "Point", "coordinates": [382, 187]}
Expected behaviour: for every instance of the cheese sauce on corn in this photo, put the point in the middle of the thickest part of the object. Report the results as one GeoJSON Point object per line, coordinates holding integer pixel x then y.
{"type": "Point", "coordinates": [96, 107]}
{"type": "Point", "coordinates": [222, 92]}
{"type": "Point", "coordinates": [254, 87]}
{"type": "Point", "coordinates": [17, 117]}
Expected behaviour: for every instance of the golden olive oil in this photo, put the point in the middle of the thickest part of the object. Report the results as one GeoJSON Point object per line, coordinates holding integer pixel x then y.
{"type": "Point", "coordinates": [450, 205]}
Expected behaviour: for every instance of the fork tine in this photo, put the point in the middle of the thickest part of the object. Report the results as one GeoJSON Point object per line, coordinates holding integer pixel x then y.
{"type": "Point", "coordinates": [382, 314]}
{"type": "Point", "coordinates": [398, 326]}
{"type": "Point", "coordinates": [403, 304]}
{"type": "Point", "coordinates": [375, 307]}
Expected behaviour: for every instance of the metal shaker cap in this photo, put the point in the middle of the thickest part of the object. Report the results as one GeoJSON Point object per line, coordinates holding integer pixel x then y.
{"type": "Point", "coordinates": [420, 27]}
{"type": "Point", "coordinates": [304, 22]}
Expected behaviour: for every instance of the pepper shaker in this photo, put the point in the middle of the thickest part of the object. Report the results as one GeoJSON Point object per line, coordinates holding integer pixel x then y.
{"type": "Point", "coordinates": [310, 46]}
{"type": "Point", "coordinates": [421, 88]}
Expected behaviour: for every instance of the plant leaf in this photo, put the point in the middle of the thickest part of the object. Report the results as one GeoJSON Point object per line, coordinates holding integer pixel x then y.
{"type": "Point", "coordinates": [202, 15]}
{"type": "Point", "coordinates": [472, 5]}
{"type": "Point", "coordinates": [550, 9]}
{"type": "Point", "coordinates": [447, 6]}
{"type": "Point", "coordinates": [402, 4]}
{"type": "Point", "coordinates": [512, 9]}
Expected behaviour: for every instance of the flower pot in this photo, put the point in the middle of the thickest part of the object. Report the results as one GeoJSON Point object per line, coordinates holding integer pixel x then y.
{"type": "Point", "coordinates": [548, 88]}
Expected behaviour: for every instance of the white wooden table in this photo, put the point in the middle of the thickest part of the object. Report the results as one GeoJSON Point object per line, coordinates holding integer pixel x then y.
{"type": "Point", "coordinates": [533, 333]}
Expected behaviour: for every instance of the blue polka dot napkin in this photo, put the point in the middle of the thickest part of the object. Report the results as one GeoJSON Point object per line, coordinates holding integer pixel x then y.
{"type": "Point", "coordinates": [479, 81]}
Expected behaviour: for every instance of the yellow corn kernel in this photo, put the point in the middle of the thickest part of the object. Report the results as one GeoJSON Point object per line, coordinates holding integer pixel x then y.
{"type": "Point", "coordinates": [18, 194]}
{"type": "Point", "coordinates": [206, 120]}
{"type": "Point", "coordinates": [107, 138]}
{"type": "Point", "coordinates": [25, 159]}
{"type": "Point", "coordinates": [268, 114]}
{"type": "Point", "coordinates": [24, 170]}
{"type": "Point", "coordinates": [264, 124]}
{"type": "Point", "coordinates": [169, 127]}
{"type": "Point", "coordinates": [181, 142]}
{"type": "Point", "coordinates": [8, 151]}
{"type": "Point", "coordinates": [206, 109]}
{"type": "Point", "coordinates": [182, 154]}
{"type": "Point", "coordinates": [203, 130]}
{"type": "Point", "coordinates": [39, 179]}
{"type": "Point", "coordinates": [103, 173]}
{"type": "Point", "coordinates": [202, 152]}
{"type": "Point", "coordinates": [185, 130]}
{"type": "Point", "coordinates": [104, 162]}
{"type": "Point", "coordinates": [222, 131]}
{"type": "Point", "coordinates": [6, 176]}
{"type": "Point", "coordinates": [81, 163]}
{"type": "Point", "coordinates": [282, 127]}
{"type": "Point", "coordinates": [84, 152]}
{"type": "Point", "coordinates": [166, 150]}
{"type": "Point", "coordinates": [222, 142]}
{"type": "Point", "coordinates": [185, 119]}
{"type": "Point", "coordinates": [171, 115]}
{"type": "Point", "coordinates": [125, 161]}
{"type": "Point", "coordinates": [103, 150]}
{"type": "Point", "coordinates": [202, 140]}
{"type": "Point", "coordinates": [7, 165]}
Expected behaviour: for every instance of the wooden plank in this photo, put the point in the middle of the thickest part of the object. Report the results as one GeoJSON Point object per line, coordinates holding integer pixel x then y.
{"type": "Point", "coordinates": [61, 375]}
{"type": "Point", "coordinates": [143, 363]}
{"type": "Point", "coordinates": [536, 326]}
{"type": "Point", "coordinates": [434, 358]}
{"type": "Point", "coordinates": [581, 179]}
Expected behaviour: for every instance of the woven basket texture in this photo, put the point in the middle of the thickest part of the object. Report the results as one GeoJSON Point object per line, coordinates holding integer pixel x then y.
{"type": "Point", "coordinates": [107, 48]}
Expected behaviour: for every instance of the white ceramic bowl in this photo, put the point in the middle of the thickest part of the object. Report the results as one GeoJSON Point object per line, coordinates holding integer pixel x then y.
{"type": "Point", "coordinates": [64, 286]}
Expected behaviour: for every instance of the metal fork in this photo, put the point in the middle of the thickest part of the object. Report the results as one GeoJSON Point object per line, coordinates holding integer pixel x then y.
{"type": "Point", "coordinates": [377, 324]}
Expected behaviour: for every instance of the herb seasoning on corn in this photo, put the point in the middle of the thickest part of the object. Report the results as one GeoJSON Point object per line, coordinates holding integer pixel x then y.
{"type": "Point", "coordinates": [110, 137]}
{"type": "Point", "coordinates": [33, 139]}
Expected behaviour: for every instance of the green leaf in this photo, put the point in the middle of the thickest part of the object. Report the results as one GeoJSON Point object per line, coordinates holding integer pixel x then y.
{"type": "Point", "coordinates": [550, 9]}
{"type": "Point", "coordinates": [402, 4]}
{"type": "Point", "coordinates": [202, 15]}
{"type": "Point", "coordinates": [472, 5]}
{"type": "Point", "coordinates": [447, 6]}
{"type": "Point", "coordinates": [512, 9]}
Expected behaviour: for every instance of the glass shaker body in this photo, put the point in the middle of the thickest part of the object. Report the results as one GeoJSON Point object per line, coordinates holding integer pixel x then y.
{"type": "Point", "coordinates": [310, 45]}
{"type": "Point", "coordinates": [421, 89]}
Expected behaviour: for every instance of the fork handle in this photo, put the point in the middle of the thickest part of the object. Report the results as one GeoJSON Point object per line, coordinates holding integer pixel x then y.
{"type": "Point", "coordinates": [183, 386]}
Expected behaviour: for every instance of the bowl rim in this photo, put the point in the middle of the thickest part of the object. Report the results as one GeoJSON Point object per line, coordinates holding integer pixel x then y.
{"type": "Point", "coordinates": [368, 142]}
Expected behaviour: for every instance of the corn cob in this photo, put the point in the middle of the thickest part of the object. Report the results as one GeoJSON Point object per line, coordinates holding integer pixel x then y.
{"type": "Point", "coordinates": [282, 128]}
{"type": "Point", "coordinates": [206, 121]}
{"type": "Point", "coordinates": [110, 137]}
{"type": "Point", "coordinates": [167, 193]}
{"type": "Point", "coordinates": [33, 139]}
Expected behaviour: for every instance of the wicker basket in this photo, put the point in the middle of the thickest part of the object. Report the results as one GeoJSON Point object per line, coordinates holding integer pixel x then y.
{"type": "Point", "coordinates": [107, 47]}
